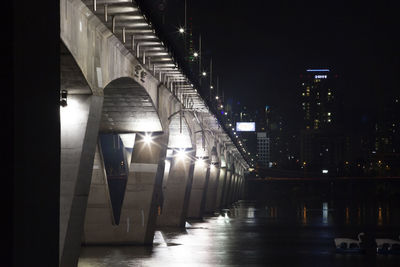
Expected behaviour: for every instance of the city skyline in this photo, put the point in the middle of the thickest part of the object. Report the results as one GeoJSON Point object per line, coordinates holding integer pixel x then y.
{"type": "Point", "coordinates": [259, 53]}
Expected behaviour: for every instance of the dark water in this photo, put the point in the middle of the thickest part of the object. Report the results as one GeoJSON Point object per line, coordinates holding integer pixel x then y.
{"type": "Point", "coordinates": [299, 232]}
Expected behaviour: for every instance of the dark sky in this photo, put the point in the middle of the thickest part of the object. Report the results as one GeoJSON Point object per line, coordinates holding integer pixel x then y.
{"type": "Point", "coordinates": [259, 48]}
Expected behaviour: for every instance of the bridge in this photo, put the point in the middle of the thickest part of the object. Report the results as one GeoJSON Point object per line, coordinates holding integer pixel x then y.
{"type": "Point", "coordinates": [140, 146]}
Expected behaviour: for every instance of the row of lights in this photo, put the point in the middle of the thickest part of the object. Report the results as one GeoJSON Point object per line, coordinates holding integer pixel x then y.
{"type": "Point", "coordinates": [204, 74]}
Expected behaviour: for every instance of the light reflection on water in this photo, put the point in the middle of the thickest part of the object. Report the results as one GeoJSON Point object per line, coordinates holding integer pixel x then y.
{"type": "Point", "coordinates": [251, 234]}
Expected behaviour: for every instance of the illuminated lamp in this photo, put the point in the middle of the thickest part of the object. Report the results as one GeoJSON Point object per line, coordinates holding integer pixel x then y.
{"type": "Point", "coordinates": [147, 138]}
{"type": "Point", "coordinates": [181, 154]}
{"type": "Point", "coordinates": [63, 101]}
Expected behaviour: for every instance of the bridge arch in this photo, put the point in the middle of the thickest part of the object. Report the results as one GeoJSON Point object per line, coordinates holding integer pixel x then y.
{"type": "Point", "coordinates": [128, 108]}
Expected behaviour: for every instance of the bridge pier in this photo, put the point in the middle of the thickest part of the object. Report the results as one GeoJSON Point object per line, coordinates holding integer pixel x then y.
{"type": "Point", "coordinates": [232, 189]}
{"type": "Point", "coordinates": [226, 190]}
{"type": "Point", "coordinates": [199, 192]}
{"type": "Point", "coordinates": [220, 188]}
{"type": "Point", "coordinates": [212, 190]}
{"type": "Point", "coordinates": [139, 208]}
{"type": "Point", "coordinates": [176, 193]}
{"type": "Point", "coordinates": [79, 127]}
{"type": "Point", "coordinates": [237, 188]}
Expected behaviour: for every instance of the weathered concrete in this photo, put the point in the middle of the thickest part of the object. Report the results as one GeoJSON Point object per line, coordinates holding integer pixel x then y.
{"type": "Point", "coordinates": [212, 190]}
{"type": "Point", "coordinates": [220, 189]}
{"type": "Point", "coordinates": [79, 127]}
{"type": "Point", "coordinates": [226, 190]}
{"type": "Point", "coordinates": [234, 186]}
{"type": "Point", "coordinates": [236, 195]}
{"type": "Point", "coordinates": [177, 192]}
{"type": "Point", "coordinates": [139, 209]}
{"type": "Point", "coordinates": [241, 186]}
{"type": "Point", "coordinates": [198, 192]}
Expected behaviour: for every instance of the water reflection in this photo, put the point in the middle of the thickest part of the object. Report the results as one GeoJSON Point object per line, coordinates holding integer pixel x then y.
{"type": "Point", "coordinates": [347, 215]}
{"type": "Point", "coordinates": [252, 234]}
{"type": "Point", "coordinates": [380, 220]}
{"type": "Point", "coordinates": [325, 212]}
{"type": "Point", "coordinates": [304, 221]}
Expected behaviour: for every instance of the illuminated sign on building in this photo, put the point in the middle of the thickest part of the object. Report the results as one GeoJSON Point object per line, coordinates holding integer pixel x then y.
{"type": "Point", "coordinates": [245, 126]}
{"type": "Point", "coordinates": [321, 76]}
{"type": "Point", "coordinates": [318, 70]}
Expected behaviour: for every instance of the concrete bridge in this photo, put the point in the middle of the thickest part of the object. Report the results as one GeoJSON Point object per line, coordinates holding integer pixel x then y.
{"type": "Point", "coordinates": [140, 148]}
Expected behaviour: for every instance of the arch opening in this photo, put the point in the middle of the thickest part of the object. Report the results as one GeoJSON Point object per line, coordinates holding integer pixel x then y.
{"type": "Point", "coordinates": [128, 108]}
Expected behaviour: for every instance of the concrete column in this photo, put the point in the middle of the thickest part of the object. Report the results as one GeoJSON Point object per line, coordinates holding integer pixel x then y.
{"type": "Point", "coordinates": [80, 121]}
{"type": "Point", "coordinates": [177, 191]}
{"type": "Point", "coordinates": [226, 190]}
{"type": "Point", "coordinates": [234, 186]}
{"type": "Point", "coordinates": [198, 192]}
{"type": "Point", "coordinates": [238, 188]}
{"type": "Point", "coordinates": [234, 197]}
{"type": "Point", "coordinates": [220, 188]}
{"type": "Point", "coordinates": [142, 193]}
{"type": "Point", "coordinates": [238, 197]}
{"type": "Point", "coordinates": [242, 188]}
{"type": "Point", "coordinates": [212, 190]}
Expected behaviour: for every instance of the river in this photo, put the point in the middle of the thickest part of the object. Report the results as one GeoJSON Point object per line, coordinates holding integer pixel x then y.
{"type": "Point", "coordinates": [266, 232]}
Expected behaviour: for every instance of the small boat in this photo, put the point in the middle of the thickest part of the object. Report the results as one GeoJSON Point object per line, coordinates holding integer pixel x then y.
{"type": "Point", "coordinates": [387, 246]}
{"type": "Point", "coordinates": [348, 245]}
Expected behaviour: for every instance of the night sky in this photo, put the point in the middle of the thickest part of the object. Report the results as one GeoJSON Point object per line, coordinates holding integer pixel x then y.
{"type": "Point", "coordinates": [259, 48]}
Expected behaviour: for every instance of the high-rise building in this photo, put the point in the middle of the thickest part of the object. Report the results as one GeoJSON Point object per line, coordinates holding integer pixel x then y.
{"type": "Point", "coordinates": [322, 142]}
{"type": "Point", "coordinates": [319, 99]}
{"type": "Point", "coordinates": [263, 147]}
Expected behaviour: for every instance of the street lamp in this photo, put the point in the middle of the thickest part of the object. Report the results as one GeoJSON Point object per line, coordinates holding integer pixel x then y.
{"type": "Point", "coordinates": [181, 30]}
{"type": "Point", "coordinates": [195, 54]}
{"type": "Point", "coordinates": [204, 73]}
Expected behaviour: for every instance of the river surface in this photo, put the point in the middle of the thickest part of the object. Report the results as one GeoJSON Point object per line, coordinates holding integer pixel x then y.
{"type": "Point", "coordinates": [259, 233]}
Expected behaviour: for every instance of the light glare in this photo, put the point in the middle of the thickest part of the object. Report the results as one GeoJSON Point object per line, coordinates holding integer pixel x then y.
{"type": "Point", "coordinates": [181, 154]}
{"type": "Point", "coordinates": [147, 138]}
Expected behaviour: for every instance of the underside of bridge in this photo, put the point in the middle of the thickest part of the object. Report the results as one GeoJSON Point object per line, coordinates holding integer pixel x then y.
{"type": "Point", "coordinates": [178, 180]}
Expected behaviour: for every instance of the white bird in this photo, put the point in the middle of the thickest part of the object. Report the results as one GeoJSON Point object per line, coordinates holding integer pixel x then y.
{"type": "Point", "coordinates": [381, 241]}
{"type": "Point", "coordinates": [339, 241]}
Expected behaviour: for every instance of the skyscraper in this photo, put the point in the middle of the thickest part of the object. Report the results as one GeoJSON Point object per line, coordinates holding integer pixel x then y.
{"type": "Point", "coordinates": [321, 136]}
{"type": "Point", "coordinates": [318, 93]}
